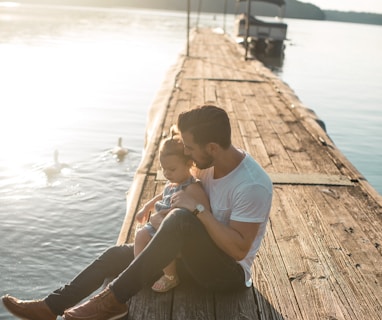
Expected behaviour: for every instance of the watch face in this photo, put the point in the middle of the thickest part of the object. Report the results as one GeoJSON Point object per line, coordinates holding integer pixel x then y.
{"type": "Point", "coordinates": [200, 207]}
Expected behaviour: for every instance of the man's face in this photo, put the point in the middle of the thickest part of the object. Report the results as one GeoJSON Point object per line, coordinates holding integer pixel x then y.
{"type": "Point", "coordinates": [199, 155]}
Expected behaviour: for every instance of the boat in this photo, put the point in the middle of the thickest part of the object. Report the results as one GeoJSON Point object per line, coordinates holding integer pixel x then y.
{"type": "Point", "coordinates": [261, 37]}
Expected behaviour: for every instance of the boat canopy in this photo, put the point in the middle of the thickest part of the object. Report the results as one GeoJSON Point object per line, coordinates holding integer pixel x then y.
{"type": "Point", "coordinates": [276, 2]}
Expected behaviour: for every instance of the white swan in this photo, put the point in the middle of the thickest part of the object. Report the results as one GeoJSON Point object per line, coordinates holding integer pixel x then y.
{"type": "Point", "coordinates": [118, 150]}
{"type": "Point", "coordinates": [56, 167]}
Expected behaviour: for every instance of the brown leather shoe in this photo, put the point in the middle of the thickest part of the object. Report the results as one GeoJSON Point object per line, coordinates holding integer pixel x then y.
{"type": "Point", "coordinates": [103, 306]}
{"type": "Point", "coordinates": [28, 309]}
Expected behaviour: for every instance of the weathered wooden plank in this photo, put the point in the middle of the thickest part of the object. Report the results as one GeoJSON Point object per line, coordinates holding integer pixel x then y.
{"type": "Point", "coordinates": [307, 272]}
{"type": "Point", "coordinates": [210, 92]}
{"type": "Point", "coordinates": [229, 99]}
{"type": "Point", "coordinates": [149, 305]}
{"type": "Point", "coordinates": [182, 99]}
{"type": "Point", "coordinates": [253, 143]}
{"type": "Point", "coordinates": [364, 209]}
{"type": "Point", "coordinates": [279, 119]}
{"type": "Point", "coordinates": [281, 161]}
{"type": "Point", "coordinates": [238, 306]}
{"type": "Point", "coordinates": [342, 249]}
{"type": "Point", "coordinates": [328, 150]}
{"type": "Point", "coordinates": [197, 93]}
{"type": "Point", "coordinates": [353, 245]}
{"type": "Point", "coordinates": [274, 294]}
{"type": "Point", "coordinates": [314, 148]}
{"type": "Point", "coordinates": [310, 179]}
{"type": "Point", "coordinates": [192, 302]}
{"type": "Point", "coordinates": [356, 295]}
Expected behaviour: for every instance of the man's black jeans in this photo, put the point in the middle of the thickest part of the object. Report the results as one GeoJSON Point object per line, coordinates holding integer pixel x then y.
{"type": "Point", "coordinates": [180, 234]}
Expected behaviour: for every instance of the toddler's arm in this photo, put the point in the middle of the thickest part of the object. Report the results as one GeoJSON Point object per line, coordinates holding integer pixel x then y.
{"type": "Point", "coordinates": [143, 214]}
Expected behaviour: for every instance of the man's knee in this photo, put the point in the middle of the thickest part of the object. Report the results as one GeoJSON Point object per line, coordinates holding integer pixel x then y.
{"type": "Point", "coordinates": [115, 259]}
{"type": "Point", "coordinates": [179, 213]}
{"type": "Point", "coordinates": [180, 218]}
{"type": "Point", "coordinates": [116, 253]}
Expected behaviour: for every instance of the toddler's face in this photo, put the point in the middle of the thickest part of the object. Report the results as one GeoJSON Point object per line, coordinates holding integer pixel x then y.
{"type": "Point", "coordinates": [175, 169]}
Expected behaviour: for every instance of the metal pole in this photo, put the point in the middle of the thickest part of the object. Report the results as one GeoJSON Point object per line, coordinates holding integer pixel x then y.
{"type": "Point", "coordinates": [247, 28]}
{"type": "Point", "coordinates": [225, 13]}
{"type": "Point", "coordinates": [199, 10]}
{"type": "Point", "coordinates": [188, 27]}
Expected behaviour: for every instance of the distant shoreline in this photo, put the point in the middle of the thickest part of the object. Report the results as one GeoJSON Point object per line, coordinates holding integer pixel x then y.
{"type": "Point", "coordinates": [353, 17]}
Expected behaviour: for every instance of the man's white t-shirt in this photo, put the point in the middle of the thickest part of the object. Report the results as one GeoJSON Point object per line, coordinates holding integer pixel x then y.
{"type": "Point", "coordinates": [244, 195]}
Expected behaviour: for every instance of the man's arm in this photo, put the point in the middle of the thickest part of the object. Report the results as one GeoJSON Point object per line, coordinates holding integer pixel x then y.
{"type": "Point", "coordinates": [234, 239]}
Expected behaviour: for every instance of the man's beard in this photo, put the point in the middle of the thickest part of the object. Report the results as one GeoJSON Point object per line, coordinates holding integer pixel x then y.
{"type": "Point", "coordinates": [206, 163]}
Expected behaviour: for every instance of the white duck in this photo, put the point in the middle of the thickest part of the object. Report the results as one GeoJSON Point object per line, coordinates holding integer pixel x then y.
{"type": "Point", "coordinates": [119, 151]}
{"type": "Point", "coordinates": [56, 167]}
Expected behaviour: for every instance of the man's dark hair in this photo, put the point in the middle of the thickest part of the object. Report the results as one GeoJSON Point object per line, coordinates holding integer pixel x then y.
{"type": "Point", "coordinates": [207, 124]}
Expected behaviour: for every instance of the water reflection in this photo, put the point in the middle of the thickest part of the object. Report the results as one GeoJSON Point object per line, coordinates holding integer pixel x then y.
{"type": "Point", "coordinates": [275, 63]}
{"type": "Point", "coordinates": [271, 59]}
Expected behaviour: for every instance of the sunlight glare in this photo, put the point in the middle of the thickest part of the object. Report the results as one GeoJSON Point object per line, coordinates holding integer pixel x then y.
{"type": "Point", "coordinates": [9, 4]}
{"type": "Point", "coordinates": [36, 103]}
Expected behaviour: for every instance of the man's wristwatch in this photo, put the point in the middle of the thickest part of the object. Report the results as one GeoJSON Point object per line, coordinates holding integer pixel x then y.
{"type": "Point", "coordinates": [199, 208]}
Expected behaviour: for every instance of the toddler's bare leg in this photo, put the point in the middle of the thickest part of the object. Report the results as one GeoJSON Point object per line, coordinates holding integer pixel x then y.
{"type": "Point", "coordinates": [170, 270]}
{"type": "Point", "coordinates": [142, 238]}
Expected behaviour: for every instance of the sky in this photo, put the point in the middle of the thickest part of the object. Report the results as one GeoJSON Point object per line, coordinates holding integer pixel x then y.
{"type": "Point", "coordinates": [374, 6]}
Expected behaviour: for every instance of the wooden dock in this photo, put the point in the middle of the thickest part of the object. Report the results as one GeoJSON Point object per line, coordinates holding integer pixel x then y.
{"type": "Point", "coordinates": [322, 254]}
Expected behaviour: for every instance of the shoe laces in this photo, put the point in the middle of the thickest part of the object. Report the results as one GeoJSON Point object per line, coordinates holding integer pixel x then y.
{"type": "Point", "coordinates": [101, 294]}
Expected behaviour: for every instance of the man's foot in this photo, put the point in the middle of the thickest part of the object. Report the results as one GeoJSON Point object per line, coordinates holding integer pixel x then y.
{"type": "Point", "coordinates": [165, 283]}
{"type": "Point", "coordinates": [103, 306]}
{"type": "Point", "coordinates": [28, 309]}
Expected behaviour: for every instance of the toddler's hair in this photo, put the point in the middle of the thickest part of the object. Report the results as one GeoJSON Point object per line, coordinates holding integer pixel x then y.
{"type": "Point", "coordinates": [173, 145]}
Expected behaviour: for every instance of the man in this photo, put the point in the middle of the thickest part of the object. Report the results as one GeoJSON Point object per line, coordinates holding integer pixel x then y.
{"type": "Point", "coordinates": [217, 248]}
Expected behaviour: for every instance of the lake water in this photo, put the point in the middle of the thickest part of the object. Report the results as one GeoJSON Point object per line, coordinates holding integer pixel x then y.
{"type": "Point", "coordinates": [76, 79]}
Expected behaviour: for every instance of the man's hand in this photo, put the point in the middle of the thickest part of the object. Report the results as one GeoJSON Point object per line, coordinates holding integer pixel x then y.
{"type": "Point", "coordinates": [181, 199]}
